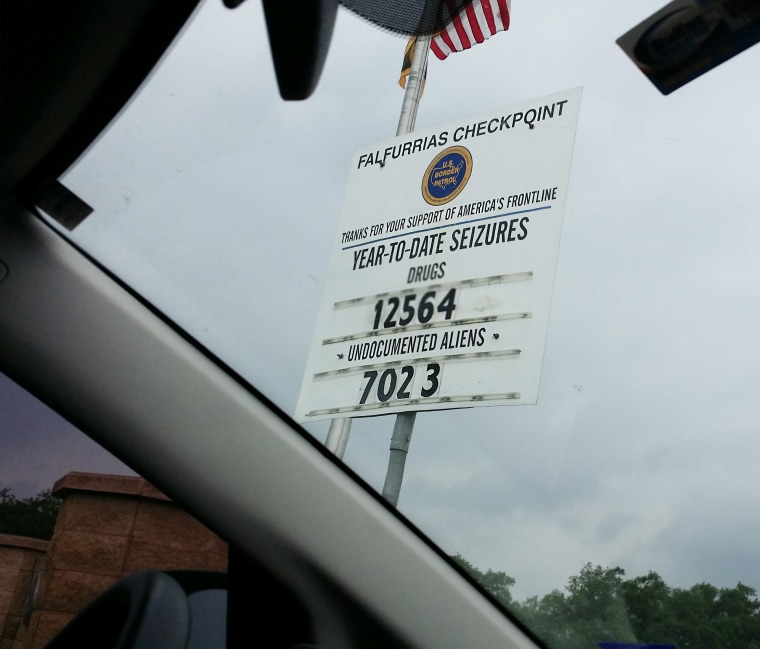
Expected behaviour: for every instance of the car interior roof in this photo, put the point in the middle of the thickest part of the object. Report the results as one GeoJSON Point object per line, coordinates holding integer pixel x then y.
{"type": "Point", "coordinates": [67, 70]}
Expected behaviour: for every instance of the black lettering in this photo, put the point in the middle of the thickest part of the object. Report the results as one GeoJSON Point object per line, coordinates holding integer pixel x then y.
{"type": "Point", "coordinates": [523, 227]}
{"type": "Point", "coordinates": [503, 225]}
{"type": "Point", "coordinates": [490, 234]}
{"type": "Point", "coordinates": [465, 236]}
{"type": "Point", "coordinates": [408, 372]}
{"type": "Point", "coordinates": [455, 241]}
{"type": "Point", "coordinates": [512, 225]}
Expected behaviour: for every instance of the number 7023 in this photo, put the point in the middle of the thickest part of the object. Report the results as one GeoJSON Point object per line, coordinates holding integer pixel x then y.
{"type": "Point", "coordinates": [399, 383]}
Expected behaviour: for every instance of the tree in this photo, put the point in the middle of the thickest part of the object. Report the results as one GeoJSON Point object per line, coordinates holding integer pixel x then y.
{"type": "Point", "coordinates": [737, 617]}
{"type": "Point", "coordinates": [706, 616]}
{"type": "Point", "coordinates": [34, 516]}
{"type": "Point", "coordinates": [597, 606]}
{"type": "Point", "coordinates": [600, 605]}
{"type": "Point", "coordinates": [592, 611]}
{"type": "Point", "coordinates": [549, 618]}
{"type": "Point", "coordinates": [648, 602]}
{"type": "Point", "coordinates": [496, 583]}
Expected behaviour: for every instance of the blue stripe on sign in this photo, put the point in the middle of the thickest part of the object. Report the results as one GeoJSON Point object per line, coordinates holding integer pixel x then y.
{"type": "Point", "coordinates": [451, 225]}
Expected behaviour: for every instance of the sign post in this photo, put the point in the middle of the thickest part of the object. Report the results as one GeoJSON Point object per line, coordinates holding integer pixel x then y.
{"type": "Point", "coordinates": [402, 429]}
{"type": "Point", "coordinates": [340, 429]}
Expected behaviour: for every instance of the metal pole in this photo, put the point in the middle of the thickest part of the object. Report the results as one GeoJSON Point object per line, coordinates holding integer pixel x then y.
{"type": "Point", "coordinates": [414, 84]}
{"type": "Point", "coordinates": [337, 436]}
{"type": "Point", "coordinates": [340, 429]}
{"type": "Point", "coordinates": [402, 435]}
{"type": "Point", "coordinates": [402, 429]}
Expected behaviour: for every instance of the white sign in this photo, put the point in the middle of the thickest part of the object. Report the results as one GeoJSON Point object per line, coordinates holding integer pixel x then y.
{"type": "Point", "coordinates": [442, 270]}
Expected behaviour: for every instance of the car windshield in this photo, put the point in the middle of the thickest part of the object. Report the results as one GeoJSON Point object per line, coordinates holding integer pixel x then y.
{"type": "Point", "coordinates": [622, 505]}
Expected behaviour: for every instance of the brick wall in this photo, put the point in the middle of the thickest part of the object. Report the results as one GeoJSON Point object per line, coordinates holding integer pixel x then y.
{"type": "Point", "coordinates": [109, 527]}
{"type": "Point", "coordinates": [20, 560]}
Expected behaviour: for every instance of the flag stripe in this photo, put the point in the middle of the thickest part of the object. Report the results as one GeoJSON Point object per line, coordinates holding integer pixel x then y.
{"type": "Point", "coordinates": [445, 38]}
{"type": "Point", "coordinates": [459, 29]}
{"type": "Point", "coordinates": [504, 12]}
{"type": "Point", "coordinates": [439, 53]}
{"type": "Point", "coordinates": [472, 21]}
{"type": "Point", "coordinates": [479, 20]}
{"type": "Point", "coordinates": [488, 13]}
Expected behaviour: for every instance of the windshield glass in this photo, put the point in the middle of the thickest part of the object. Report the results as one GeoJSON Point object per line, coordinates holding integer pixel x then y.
{"type": "Point", "coordinates": [622, 506]}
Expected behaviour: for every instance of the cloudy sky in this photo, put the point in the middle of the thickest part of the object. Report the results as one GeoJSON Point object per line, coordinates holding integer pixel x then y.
{"type": "Point", "coordinates": [219, 202]}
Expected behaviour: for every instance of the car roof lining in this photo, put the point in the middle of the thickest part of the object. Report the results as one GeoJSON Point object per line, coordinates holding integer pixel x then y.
{"type": "Point", "coordinates": [67, 69]}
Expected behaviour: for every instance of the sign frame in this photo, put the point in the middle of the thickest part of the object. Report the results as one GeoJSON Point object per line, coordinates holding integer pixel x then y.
{"type": "Point", "coordinates": [442, 270]}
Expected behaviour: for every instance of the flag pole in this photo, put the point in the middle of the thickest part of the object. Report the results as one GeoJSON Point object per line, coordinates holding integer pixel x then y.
{"type": "Point", "coordinates": [402, 429]}
{"type": "Point", "coordinates": [414, 84]}
{"type": "Point", "coordinates": [340, 429]}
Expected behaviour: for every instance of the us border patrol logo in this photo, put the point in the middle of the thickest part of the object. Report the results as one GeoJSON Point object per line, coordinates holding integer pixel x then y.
{"type": "Point", "coordinates": [447, 175]}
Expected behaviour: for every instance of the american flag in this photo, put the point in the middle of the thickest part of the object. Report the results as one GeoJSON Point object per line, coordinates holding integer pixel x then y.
{"type": "Point", "coordinates": [479, 20]}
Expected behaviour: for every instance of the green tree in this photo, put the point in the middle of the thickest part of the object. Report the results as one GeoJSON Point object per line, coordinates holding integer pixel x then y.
{"type": "Point", "coordinates": [592, 611]}
{"type": "Point", "coordinates": [33, 517]}
{"type": "Point", "coordinates": [597, 607]}
{"type": "Point", "coordinates": [648, 602]}
{"type": "Point", "coordinates": [496, 583]}
{"type": "Point", "coordinates": [600, 605]}
{"type": "Point", "coordinates": [549, 617]}
{"type": "Point", "coordinates": [705, 617]}
{"type": "Point", "coordinates": [737, 617]}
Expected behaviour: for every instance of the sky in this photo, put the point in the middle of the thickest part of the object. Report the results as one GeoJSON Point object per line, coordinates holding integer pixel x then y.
{"type": "Point", "coordinates": [219, 203]}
